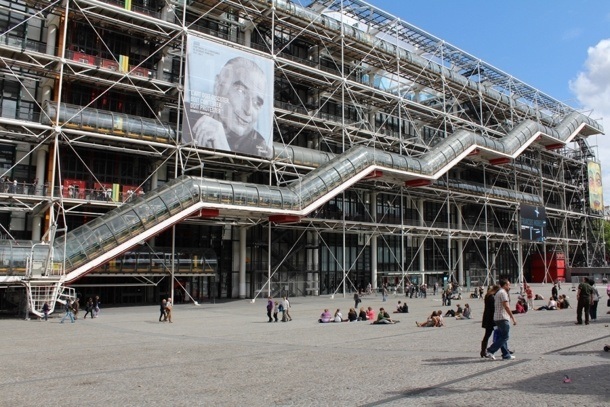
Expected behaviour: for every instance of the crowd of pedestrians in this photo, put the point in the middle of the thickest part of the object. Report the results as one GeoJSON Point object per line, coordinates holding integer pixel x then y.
{"type": "Point", "coordinates": [274, 308]}
{"type": "Point", "coordinates": [72, 308]}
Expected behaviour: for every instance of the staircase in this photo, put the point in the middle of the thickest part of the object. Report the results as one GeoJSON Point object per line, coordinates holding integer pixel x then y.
{"type": "Point", "coordinates": [44, 281]}
{"type": "Point", "coordinates": [50, 291]}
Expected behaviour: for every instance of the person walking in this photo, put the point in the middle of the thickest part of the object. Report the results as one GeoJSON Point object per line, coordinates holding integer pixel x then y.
{"type": "Point", "coordinates": [89, 308]}
{"type": "Point", "coordinates": [584, 297]}
{"type": "Point", "coordinates": [502, 316]}
{"type": "Point", "coordinates": [68, 312]}
{"type": "Point", "coordinates": [45, 311]}
{"type": "Point", "coordinates": [162, 314]}
{"type": "Point", "coordinates": [488, 318]}
{"type": "Point", "coordinates": [168, 310]}
{"type": "Point", "coordinates": [357, 300]}
{"type": "Point", "coordinates": [286, 315]}
{"type": "Point", "coordinates": [96, 306]}
{"type": "Point", "coordinates": [269, 308]}
{"type": "Point", "coordinates": [75, 307]}
{"type": "Point", "coordinates": [276, 309]}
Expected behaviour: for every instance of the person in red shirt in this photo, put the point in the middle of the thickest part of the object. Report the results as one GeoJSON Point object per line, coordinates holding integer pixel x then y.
{"type": "Point", "coordinates": [370, 314]}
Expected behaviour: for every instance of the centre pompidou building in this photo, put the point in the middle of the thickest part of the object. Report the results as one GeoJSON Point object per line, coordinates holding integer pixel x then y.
{"type": "Point", "coordinates": [234, 149]}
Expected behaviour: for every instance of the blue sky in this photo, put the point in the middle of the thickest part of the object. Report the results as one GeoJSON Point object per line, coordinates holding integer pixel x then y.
{"type": "Point", "coordinates": [555, 46]}
{"type": "Point", "coordinates": [543, 43]}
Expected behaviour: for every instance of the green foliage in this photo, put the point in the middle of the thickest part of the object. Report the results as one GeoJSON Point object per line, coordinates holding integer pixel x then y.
{"type": "Point", "coordinates": [607, 235]}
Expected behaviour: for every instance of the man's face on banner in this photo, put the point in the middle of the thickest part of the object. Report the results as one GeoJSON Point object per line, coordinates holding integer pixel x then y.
{"type": "Point", "coordinates": [243, 83]}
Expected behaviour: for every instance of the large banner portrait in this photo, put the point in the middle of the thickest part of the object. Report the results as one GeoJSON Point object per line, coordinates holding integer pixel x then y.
{"type": "Point", "coordinates": [228, 97]}
{"type": "Point", "coordinates": [596, 193]}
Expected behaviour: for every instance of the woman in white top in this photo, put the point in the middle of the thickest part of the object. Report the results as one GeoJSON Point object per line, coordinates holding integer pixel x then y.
{"type": "Point", "coordinates": [552, 305]}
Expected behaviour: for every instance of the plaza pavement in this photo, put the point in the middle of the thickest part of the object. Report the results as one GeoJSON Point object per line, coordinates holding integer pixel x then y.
{"type": "Point", "coordinates": [226, 354]}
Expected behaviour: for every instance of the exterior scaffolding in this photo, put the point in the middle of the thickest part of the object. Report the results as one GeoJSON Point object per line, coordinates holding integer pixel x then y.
{"type": "Point", "coordinates": [92, 119]}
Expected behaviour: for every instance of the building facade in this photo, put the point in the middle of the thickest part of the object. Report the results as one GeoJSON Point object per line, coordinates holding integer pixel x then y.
{"type": "Point", "coordinates": [239, 148]}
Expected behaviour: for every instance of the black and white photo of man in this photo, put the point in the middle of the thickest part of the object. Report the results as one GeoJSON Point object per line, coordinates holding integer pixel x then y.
{"type": "Point", "coordinates": [226, 116]}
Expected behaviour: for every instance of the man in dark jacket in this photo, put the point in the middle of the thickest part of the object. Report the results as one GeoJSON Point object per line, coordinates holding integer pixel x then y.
{"type": "Point", "coordinates": [583, 296]}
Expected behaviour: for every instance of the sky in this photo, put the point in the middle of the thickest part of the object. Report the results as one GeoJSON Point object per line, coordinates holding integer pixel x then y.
{"type": "Point", "coordinates": [560, 47]}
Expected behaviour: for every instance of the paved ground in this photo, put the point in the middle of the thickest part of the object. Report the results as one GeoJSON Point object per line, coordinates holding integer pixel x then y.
{"type": "Point", "coordinates": [226, 354]}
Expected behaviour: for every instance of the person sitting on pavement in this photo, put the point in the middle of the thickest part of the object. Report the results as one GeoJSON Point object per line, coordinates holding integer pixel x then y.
{"type": "Point", "coordinates": [563, 302]}
{"type": "Point", "coordinates": [441, 321]}
{"type": "Point", "coordinates": [452, 313]}
{"type": "Point", "coordinates": [370, 314]}
{"type": "Point", "coordinates": [362, 314]}
{"type": "Point", "coordinates": [352, 315]}
{"type": "Point", "coordinates": [520, 307]}
{"type": "Point", "coordinates": [551, 306]}
{"type": "Point", "coordinates": [465, 314]}
{"type": "Point", "coordinates": [338, 316]}
{"type": "Point", "coordinates": [325, 317]}
{"type": "Point", "coordinates": [384, 318]}
{"type": "Point", "coordinates": [401, 308]}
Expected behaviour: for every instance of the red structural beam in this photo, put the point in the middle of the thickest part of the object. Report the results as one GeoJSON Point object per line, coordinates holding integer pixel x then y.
{"type": "Point", "coordinates": [554, 146]}
{"type": "Point", "coordinates": [476, 151]}
{"type": "Point", "coordinates": [414, 183]}
{"type": "Point", "coordinates": [499, 161]}
{"type": "Point", "coordinates": [209, 213]}
{"type": "Point", "coordinates": [284, 218]}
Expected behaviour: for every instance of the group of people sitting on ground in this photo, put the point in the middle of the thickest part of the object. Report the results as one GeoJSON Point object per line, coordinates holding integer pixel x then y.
{"type": "Point", "coordinates": [561, 303]}
{"type": "Point", "coordinates": [521, 307]}
{"type": "Point", "coordinates": [402, 308]}
{"type": "Point", "coordinates": [434, 320]}
{"type": "Point", "coordinates": [352, 316]}
{"type": "Point", "coordinates": [460, 313]}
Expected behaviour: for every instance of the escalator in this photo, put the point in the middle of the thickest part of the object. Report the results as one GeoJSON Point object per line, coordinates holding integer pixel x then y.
{"type": "Point", "coordinates": [106, 237]}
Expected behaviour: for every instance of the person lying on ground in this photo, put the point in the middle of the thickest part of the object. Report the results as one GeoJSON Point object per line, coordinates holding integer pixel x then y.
{"type": "Point", "coordinates": [432, 321]}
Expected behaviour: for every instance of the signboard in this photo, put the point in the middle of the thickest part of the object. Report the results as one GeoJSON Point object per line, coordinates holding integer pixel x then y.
{"type": "Point", "coordinates": [596, 193]}
{"type": "Point", "coordinates": [228, 99]}
{"type": "Point", "coordinates": [533, 223]}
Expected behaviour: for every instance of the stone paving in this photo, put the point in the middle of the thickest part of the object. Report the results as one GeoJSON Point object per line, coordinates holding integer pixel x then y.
{"type": "Point", "coordinates": [226, 354]}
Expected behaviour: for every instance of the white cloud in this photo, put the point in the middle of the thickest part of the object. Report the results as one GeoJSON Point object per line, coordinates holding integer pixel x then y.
{"type": "Point", "coordinates": [592, 88]}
